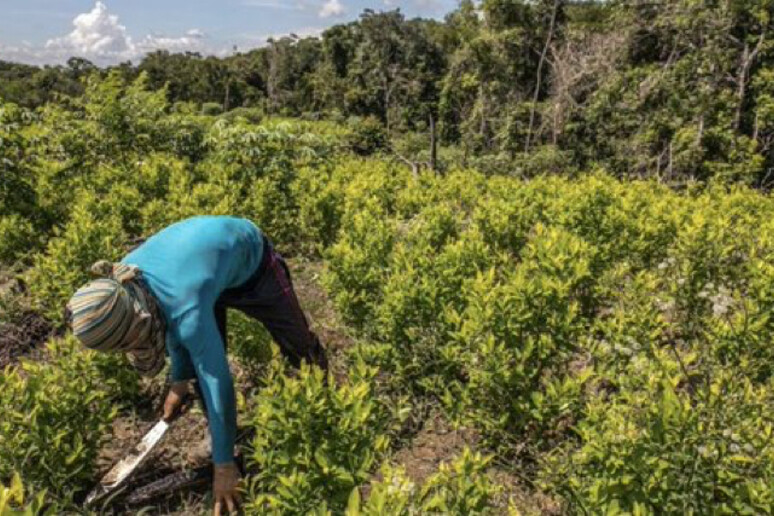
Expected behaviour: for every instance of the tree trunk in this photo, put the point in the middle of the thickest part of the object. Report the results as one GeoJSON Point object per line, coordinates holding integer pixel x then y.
{"type": "Point", "coordinates": [538, 80]}
{"type": "Point", "coordinates": [482, 125]}
{"type": "Point", "coordinates": [433, 145]}
{"type": "Point", "coordinates": [387, 101]}
{"type": "Point", "coordinates": [748, 58]}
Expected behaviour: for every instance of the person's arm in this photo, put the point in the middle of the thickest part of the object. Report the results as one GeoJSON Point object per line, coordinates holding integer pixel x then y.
{"type": "Point", "coordinates": [200, 337]}
{"type": "Point", "coordinates": [181, 367]}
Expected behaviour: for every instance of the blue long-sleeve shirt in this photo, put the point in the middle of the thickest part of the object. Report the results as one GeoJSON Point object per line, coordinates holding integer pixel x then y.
{"type": "Point", "coordinates": [187, 266]}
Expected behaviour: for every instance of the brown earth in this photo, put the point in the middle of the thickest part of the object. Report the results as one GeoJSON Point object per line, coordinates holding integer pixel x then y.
{"type": "Point", "coordinates": [435, 444]}
{"type": "Point", "coordinates": [18, 338]}
{"type": "Point", "coordinates": [438, 442]}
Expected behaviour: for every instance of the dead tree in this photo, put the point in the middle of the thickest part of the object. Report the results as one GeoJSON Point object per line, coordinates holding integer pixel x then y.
{"type": "Point", "coordinates": [748, 58]}
{"type": "Point", "coordinates": [538, 79]}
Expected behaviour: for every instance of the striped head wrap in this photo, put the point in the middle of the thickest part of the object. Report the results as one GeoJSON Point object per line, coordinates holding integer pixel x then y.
{"type": "Point", "coordinates": [116, 313]}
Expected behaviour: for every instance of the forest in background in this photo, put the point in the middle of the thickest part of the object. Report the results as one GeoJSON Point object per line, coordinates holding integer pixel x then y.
{"type": "Point", "coordinates": [678, 90]}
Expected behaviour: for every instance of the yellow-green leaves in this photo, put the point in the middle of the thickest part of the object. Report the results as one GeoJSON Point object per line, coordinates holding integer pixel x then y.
{"type": "Point", "coordinates": [314, 442]}
{"type": "Point", "coordinates": [56, 416]}
{"type": "Point", "coordinates": [15, 500]}
{"type": "Point", "coordinates": [458, 488]}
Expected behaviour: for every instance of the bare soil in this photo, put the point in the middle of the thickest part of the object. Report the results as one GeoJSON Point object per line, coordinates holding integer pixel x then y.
{"type": "Point", "coordinates": [435, 444]}
{"type": "Point", "coordinates": [22, 336]}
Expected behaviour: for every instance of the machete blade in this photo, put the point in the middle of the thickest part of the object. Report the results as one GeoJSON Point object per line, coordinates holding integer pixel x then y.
{"type": "Point", "coordinates": [124, 469]}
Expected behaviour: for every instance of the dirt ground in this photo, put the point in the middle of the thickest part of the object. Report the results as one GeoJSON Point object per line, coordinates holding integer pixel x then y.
{"type": "Point", "coordinates": [22, 336]}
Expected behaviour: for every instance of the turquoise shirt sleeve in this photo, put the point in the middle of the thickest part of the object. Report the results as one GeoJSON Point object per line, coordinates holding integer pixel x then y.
{"type": "Point", "coordinates": [181, 366]}
{"type": "Point", "coordinates": [200, 337]}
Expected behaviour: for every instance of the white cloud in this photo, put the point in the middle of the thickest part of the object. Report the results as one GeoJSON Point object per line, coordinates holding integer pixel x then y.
{"type": "Point", "coordinates": [248, 40]}
{"type": "Point", "coordinates": [332, 8]}
{"type": "Point", "coordinates": [96, 33]}
{"type": "Point", "coordinates": [422, 5]}
{"type": "Point", "coordinates": [273, 4]}
{"type": "Point", "coordinates": [193, 40]}
{"type": "Point", "coordinates": [99, 36]}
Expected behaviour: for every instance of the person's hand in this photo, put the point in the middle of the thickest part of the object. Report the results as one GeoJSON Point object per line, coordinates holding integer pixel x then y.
{"type": "Point", "coordinates": [225, 488]}
{"type": "Point", "coordinates": [174, 401]}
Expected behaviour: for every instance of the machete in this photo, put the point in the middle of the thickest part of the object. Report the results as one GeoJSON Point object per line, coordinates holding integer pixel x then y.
{"type": "Point", "coordinates": [119, 473]}
{"type": "Point", "coordinates": [124, 469]}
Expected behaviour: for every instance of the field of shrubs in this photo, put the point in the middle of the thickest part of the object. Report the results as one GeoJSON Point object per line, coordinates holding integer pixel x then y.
{"type": "Point", "coordinates": [609, 344]}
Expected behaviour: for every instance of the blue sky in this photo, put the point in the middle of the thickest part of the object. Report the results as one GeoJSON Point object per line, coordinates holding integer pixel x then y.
{"type": "Point", "coordinates": [110, 31]}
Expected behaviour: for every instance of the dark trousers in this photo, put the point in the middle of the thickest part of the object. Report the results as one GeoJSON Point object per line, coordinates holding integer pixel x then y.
{"type": "Point", "coordinates": [268, 296]}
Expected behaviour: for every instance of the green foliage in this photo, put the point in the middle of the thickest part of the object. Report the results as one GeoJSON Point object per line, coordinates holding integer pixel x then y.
{"type": "Point", "coordinates": [64, 266]}
{"type": "Point", "coordinates": [314, 442]}
{"type": "Point", "coordinates": [16, 501]}
{"type": "Point", "coordinates": [542, 313]}
{"type": "Point", "coordinates": [458, 488]}
{"type": "Point", "coordinates": [518, 330]}
{"type": "Point", "coordinates": [251, 115]}
{"type": "Point", "coordinates": [657, 450]}
{"type": "Point", "coordinates": [356, 263]}
{"type": "Point", "coordinates": [211, 108]}
{"type": "Point", "coordinates": [248, 340]}
{"type": "Point", "coordinates": [18, 237]}
{"type": "Point", "coordinates": [367, 136]}
{"type": "Point", "coordinates": [16, 193]}
{"type": "Point", "coordinates": [56, 417]}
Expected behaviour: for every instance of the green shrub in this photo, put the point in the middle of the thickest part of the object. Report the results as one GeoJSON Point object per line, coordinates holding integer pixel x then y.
{"type": "Point", "coordinates": [356, 264]}
{"type": "Point", "coordinates": [517, 330]}
{"type": "Point", "coordinates": [657, 450]}
{"type": "Point", "coordinates": [17, 195]}
{"type": "Point", "coordinates": [252, 115]}
{"type": "Point", "coordinates": [458, 488]}
{"type": "Point", "coordinates": [314, 442]}
{"type": "Point", "coordinates": [15, 500]}
{"type": "Point", "coordinates": [367, 136]}
{"type": "Point", "coordinates": [212, 108]}
{"type": "Point", "coordinates": [65, 265]}
{"type": "Point", "coordinates": [248, 340]}
{"type": "Point", "coordinates": [320, 207]}
{"type": "Point", "coordinates": [421, 299]}
{"type": "Point", "coordinates": [19, 239]}
{"type": "Point", "coordinates": [56, 415]}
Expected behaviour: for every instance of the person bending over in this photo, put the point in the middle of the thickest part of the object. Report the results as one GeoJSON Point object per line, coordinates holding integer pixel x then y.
{"type": "Point", "coordinates": [169, 297]}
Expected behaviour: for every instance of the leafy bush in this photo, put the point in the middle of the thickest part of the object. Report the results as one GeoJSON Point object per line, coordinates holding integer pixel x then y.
{"type": "Point", "coordinates": [459, 488]}
{"type": "Point", "coordinates": [212, 108]}
{"type": "Point", "coordinates": [320, 207]}
{"type": "Point", "coordinates": [56, 417]}
{"type": "Point", "coordinates": [16, 501]}
{"type": "Point", "coordinates": [65, 265]}
{"type": "Point", "coordinates": [519, 329]}
{"type": "Point", "coordinates": [314, 442]}
{"type": "Point", "coordinates": [367, 136]}
{"type": "Point", "coordinates": [656, 450]}
{"type": "Point", "coordinates": [18, 237]}
{"type": "Point", "coordinates": [252, 115]}
{"type": "Point", "coordinates": [248, 340]}
{"type": "Point", "coordinates": [356, 263]}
